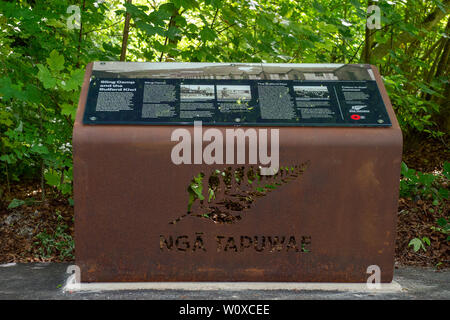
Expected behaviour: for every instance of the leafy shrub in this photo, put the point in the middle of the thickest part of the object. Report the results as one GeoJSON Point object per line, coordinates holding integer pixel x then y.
{"type": "Point", "coordinates": [60, 243]}
{"type": "Point", "coordinates": [443, 227]}
{"type": "Point", "coordinates": [418, 243]}
{"type": "Point", "coordinates": [427, 185]}
{"type": "Point", "coordinates": [430, 187]}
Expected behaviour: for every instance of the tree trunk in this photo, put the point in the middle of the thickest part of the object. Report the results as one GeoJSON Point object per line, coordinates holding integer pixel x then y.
{"type": "Point", "coordinates": [42, 165]}
{"type": "Point", "coordinates": [427, 24]}
{"type": "Point", "coordinates": [174, 42]}
{"type": "Point", "coordinates": [80, 35]}
{"type": "Point", "coordinates": [367, 49]}
{"type": "Point", "coordinates": [443, 118]}
{"type": "Point", "coordinates": [440, 62]}
{"type": "Point", "coordinates": [126, 29]}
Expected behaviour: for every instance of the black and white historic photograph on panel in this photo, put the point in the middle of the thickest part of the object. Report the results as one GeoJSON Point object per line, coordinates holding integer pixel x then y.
{"type": "Point", "coordinates": [234, 92]}
{"type": "Point", "coordinates": [312, 92]}
{"type": "Point", "coordinates": [196, 92]}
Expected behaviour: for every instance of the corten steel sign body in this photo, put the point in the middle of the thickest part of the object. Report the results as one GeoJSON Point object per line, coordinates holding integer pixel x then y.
{"type": "Point", "coordinates": [334, 216]}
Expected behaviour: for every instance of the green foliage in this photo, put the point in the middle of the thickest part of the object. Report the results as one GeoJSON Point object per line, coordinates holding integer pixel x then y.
{"type": "Point", "coordinates": [59, 244]}
{"type": "Point", "coordinates": [443, 227]}
{"type": "Point", "coordinates": [195, 190]}
{"type": "Point", "coordinates": [419, 243]}
{"type": "Point", "coordinates": [15, 203]}
{"type": "Point", "coordinates": [413, 112]}
{"type": "Point", "coordinates": [43, 68]}
{"type": "Point", "coordinates": [426, 185]}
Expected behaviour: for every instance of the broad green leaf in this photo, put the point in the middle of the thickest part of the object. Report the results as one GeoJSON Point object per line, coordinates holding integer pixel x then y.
{"type": "Point", "coordinates": [446, 170]}
{"type": "Point", "coordinates": [8, 90]}
{"type": "Point", "coordinates": [208, 34]}
{"type": "Point", "coordinates": [404, 169]}
{"type": "Point", "coordinates": [40, 149]}
{"type": "Point", "coordinates": [75, 81]}
{"type": "Point", "coordinates": [442, 222]}
{"type": "Point", "coordinates": [417, 244]}
{"type": "Point", "coordinates": [6, 158]}
{"type": "Point", "coordinates": [68, 109]}
{"type": "Point", "coordinates": [15, 203]}
{"type": "Point", "coordinates": [55, 61]}
{"type": "Point", "coordinates": [57, 23]}
{"type": "Point", "coordinates": [52, 178]}
{"type": "Point", "coordinates": [45, 77]}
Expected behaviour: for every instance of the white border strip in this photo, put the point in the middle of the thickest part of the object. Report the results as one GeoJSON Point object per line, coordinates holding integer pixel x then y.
{"type": "Point", "coordinates": [72, 286]}
{"type": "Point", "coordinates": [7, 265]}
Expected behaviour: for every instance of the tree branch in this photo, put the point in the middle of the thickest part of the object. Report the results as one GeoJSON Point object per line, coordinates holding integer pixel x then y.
{"type": "Point", "coordinates": [100, 29]}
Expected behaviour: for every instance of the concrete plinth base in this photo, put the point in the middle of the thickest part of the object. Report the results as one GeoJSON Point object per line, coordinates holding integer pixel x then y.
{"type": "Point", "coordinates": [72, 285]}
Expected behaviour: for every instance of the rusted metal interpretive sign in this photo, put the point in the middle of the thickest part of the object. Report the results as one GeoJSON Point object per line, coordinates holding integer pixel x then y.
{"type": "Point", "coordinates": [235, 172]}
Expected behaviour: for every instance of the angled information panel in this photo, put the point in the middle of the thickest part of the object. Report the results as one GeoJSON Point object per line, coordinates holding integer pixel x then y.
{"type": "Point", "coordinates": [235, 94]}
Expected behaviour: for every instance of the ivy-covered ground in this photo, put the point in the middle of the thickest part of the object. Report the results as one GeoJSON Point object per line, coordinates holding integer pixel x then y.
{"type": "Point", "coordinates": [36, 231]}
{"type": "Point", "coordinates": [423, 208]}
